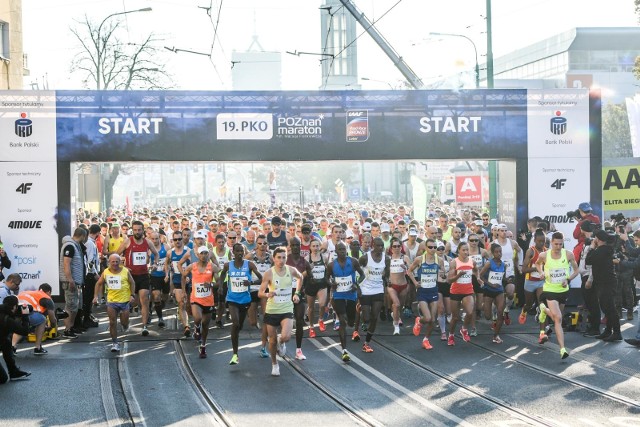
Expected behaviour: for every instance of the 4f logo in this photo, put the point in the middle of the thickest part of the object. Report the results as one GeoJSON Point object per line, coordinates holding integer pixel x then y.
{"type": "Point", "coordinates": [558, 183]}
{"type": "Point", "coordinates": [24, 187]}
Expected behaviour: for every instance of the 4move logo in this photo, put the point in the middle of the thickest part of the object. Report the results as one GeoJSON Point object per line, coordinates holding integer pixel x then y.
{"type": "Point", "coordinates": [24, 126]}
{"type": "Point", "coordinates": [558, 124]}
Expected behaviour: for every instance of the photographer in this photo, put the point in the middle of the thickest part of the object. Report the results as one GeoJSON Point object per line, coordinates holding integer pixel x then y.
{"type": "Point", "coordinates": [589, 294]}
{"type": "Point", "coordinates": [584, 213]}
{"type": "Point", "coordinates": [13, 319]}
{"type": "Point", "coordinates": [600, 258]}
{"type": "Point", "coordinates": [5, 262]}
{"type": "Point", "coordinates": [629, 267]}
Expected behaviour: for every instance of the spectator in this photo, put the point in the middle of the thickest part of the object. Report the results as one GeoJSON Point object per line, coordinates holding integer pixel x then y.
{"type": "Point", "coordinates": [42, 306]}
{"type": "Point", "coordinates": [586, 214]}
{"type": "Point", "coordinates": [12, 320]}
{"type": "Point", "coordinates": [72, 274]}
{"type": "Point", "coordinates": [5, 262]}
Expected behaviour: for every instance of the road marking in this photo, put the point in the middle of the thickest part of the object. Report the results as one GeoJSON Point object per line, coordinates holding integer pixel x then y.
{"type": "Point", "coordinates": [108, 401]}
{"type": "Point", "coordinates": [127, 389]}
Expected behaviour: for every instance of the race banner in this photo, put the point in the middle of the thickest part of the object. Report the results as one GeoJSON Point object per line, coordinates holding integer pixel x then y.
{"type": "Point", "coordinates": [621, 187]}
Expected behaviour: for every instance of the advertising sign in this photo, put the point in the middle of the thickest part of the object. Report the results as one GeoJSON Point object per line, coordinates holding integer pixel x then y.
{"type": "Point", "coordinates": [469, 189]}
{"type": "Point", "coordinates": [28, 222]}
{"type": "Point", "coordinates": [621, 187]}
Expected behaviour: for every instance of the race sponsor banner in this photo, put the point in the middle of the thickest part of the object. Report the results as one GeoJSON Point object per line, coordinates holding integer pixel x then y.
{"type": "Point", "coordinates": [28, 126]}
{"type": "Point", "coordinates": [29, 197]}
{"type": "Point", "coordinates": [621, 187]}
{"type": "Point", "coordinates": [469, 189]}
{"type": "Point", "coordinates": [633, 113]}
{"type": "Point", "coordinates": [507, 196]}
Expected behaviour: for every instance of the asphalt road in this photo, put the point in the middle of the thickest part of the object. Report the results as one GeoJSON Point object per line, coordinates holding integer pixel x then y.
{"type": "Point", "coordinates": [159, 380]}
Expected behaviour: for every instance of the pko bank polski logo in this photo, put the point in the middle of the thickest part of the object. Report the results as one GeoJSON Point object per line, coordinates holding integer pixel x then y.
{"type": "Point", "coordinates": [558, 124]}
{"type": "Point", "coordinates": [24, 126]}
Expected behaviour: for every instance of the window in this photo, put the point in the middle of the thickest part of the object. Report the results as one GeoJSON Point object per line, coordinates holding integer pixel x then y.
{"type": "Point", "coordinates": [4, 40]}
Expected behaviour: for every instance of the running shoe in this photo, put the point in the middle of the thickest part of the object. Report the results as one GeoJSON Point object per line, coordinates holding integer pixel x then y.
{"type": "Point", "coordinates": [264, 353]}
{"type": "Point", "coordinates": [187, 331]}
{"type": "Point", "coordinates": [197, 335]}
{"type": "Point", "coordinates": [497, 340]}
{"type": "Point", "coordinates": [367, 348]}
{"type": "Point", "coordinates": [312, 333]}
{"type": "Point", "coordinates": [275, 370]}
{"type": "Point", "coordinates": [115, 347]}
{"type": "Point", "coordinates": [465, 335]}
{"type": "Point", "coordinates": [203, 352]}
{"type": "Point", "coordinates": [125, 329]}
{"type": "Point", "coordinates": [473, 332]}
{"type": "Point", "coordinates": [426, 344]}
{"type": "Point", "coordinates": [299, 355]}
{"type": "Point", "coordinates": [234, 360]}
{"type": "Point", "coordinates": [39, 351]}
{"type": "Point", "coordinates": [145, 332]}
{"type": "Point", "coordinates": [417, 326]}
{"type": "Point", "coordinates": [281, 349]}
{"type": "Point", "coordinates": [564, 353]}
{"type": "Point", "coordinates": [321, 326]}
{"type": "Point", "coordinates": [161, 323]}
{"type": "Point", "coordinates": [355, 336]}
{"type": "Point", "coordinates": [522, 319]}
{"type": "Point", "coordinates": [451, 341]}
{"type": "Point", "coordinates": [68, 333]}
{"type": "Point", "coordinates": [396, 330]}
{"type": "Point", "coordinates": [507, 319]}
{"type": "Point", "coordinates": [345, 356]}
{"type": "Point", "coordinates": [443, 336]}
{"type": "Point", "coordinates": [219, 324]}
{"type": "Point", "coordinates": [543, 338]}
{"type": "Point", "coordinates": [336, 325]}
{"type": "Point", "coordinates": [541, 314]}
{"type": "Point", "coordinates": [400, 323]}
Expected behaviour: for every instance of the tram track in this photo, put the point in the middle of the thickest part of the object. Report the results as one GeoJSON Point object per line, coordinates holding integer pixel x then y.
{"type": "Point", "coordinates": [497, 403]}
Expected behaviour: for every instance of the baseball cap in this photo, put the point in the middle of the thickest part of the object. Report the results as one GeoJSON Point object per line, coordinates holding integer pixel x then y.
{"type": "Point", "coordinates": [115, 224]}
{"type": "Point", "coordinates": [364, 214]}
{"type": "Point", "coordinates": [351, 215]}
{"type": "Point", "coordinates": [478, 222]}
{"type": "Point", "coordinates": [461, 225]}
{"type": "Point", "coordinates": [200, 223]}
{"type": "Point", "coordinates": [586, 226]}
{"type": "Point", "coordinates": [366, 226]}
{"type": "Point", "coordinates": [502, 227]}
{"type": "Point", "coordinates": [413, 232]}
{"type": "Point", "coordinates": [349, 234]}
{"type": "Point", "coordinates": [200, 234]}
{"type": "Point", "coordinates": [604, 236]}
{"type": "Point", "coordinates": [384, 227]}
{"type": "Point", "coordinates": [202, 249]}
{"type": "Point", "coordinates": [213, 222]}
{"type": "Point", "coordinates": [585, 207]}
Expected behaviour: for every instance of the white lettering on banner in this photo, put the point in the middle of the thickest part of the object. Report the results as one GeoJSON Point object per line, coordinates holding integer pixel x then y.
{"type": "Point", "coordinates": [244, 126]}
{"type": "Point", "coordinates": [128, 125]}
{"type": "Point", "coordinates": [458, 124]}
{"type": "Point", "coordinates": [114, 283]}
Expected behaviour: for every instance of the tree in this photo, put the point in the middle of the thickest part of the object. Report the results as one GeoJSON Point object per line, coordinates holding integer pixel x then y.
{"type": "Point", "coordinates": [107, 63]}
{"type": "Point", "coordinates": [616, 135]}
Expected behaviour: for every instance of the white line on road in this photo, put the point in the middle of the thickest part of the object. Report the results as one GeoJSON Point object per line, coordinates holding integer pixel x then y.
{"type": "Point", "coordinates": [129, 393]}
{"type": "Point", "coordinates": [108, 401]}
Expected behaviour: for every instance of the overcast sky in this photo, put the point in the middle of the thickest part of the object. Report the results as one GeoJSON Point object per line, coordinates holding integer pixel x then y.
{"type": "Point", "coordinates": [288, 25]}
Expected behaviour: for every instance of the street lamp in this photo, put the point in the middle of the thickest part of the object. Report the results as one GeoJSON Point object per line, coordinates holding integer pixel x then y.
{"type": "Point", "coordinates": [475, 50]}
{"type": "Point", "coordinates": [99, 40]}
{"type": "Point", "coordinates": [379, 81]}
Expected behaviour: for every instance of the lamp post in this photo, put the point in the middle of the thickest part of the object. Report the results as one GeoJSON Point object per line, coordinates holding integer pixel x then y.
{"type": "Point", "coordinates": [100, 47]}
{"type": "Point", "coordinates": [475, 50]}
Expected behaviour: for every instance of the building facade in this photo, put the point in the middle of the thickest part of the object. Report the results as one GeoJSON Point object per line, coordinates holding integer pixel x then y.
{"type": "Point", "coordinates": [12, 58]}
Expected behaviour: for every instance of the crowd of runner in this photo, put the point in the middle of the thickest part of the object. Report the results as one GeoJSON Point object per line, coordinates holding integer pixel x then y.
{"type": "Point", "coordinates": [359, 269]}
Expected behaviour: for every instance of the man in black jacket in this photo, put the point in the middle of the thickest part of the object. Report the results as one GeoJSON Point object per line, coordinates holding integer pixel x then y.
{"type": "Point", "coordinates": [13, 319]}
{"type": "Point", "coordinates": [600, 257]}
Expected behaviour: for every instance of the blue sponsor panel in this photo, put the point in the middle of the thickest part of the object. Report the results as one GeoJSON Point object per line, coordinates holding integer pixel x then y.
{"type": "Point", "coordinates": [262, 126]}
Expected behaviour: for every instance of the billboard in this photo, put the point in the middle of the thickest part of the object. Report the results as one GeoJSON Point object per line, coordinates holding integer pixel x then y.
{"type": "Point", "coordinates": [621, 187]}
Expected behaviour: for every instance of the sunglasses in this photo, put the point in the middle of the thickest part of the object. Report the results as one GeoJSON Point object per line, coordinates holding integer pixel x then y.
{"type": "Point", "coordinates": [263, 243]}
{"type": "Point", "coordinates": [441, 248]}
{"type": "Point", "coordinates": [306, 232]}
{"type": "Point", "coordinates": [473, 240]}
{"type": "Point", "coordinates": [396, 246]}
{"type": "Point", "coordinates": [177, 240]}
{"type": "Point", "coordinates": [431, 247]}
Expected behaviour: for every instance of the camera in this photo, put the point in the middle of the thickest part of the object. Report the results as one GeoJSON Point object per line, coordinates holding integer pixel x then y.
{"type": "Point", "coordinates": [574, 214]}
{"type": "Point", "coordinates": [618, 218]}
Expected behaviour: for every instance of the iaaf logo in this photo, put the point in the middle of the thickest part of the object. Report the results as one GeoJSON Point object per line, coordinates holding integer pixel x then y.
{"type": "Point", "coordinates": [558, 124]}
{"type": "Point", "coordinates": [357, 125]}
{"type": "Point", "coordinates": [24, 126]}
{"type": "Point", "coordinates": [25, 260]}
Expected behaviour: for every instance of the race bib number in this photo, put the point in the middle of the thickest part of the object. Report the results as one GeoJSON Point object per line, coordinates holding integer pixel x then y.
{"type": "Point", "coordinates": [465, 279]}
{"type": "Point", "coordinates": [557, 276]}
{"type": "Point", "coordinates": [495, 277]}
{"type": "Point", "coordinates": [318, 272]}
{"type": "Point", "coordinates": [238, 284]}
{"type": "Point", "coordinates": [262, 267]}
{"type": "Point", "coordinates": [344, 284]}
{"type": "Point", "coordinates": [114, 283]}
{"type": "Point", "coordinates": [159, 265]}
{"type": "Point", "coordinates": [508, 267]}
{"type": "Point", "coordinates": [477, 259]}
{"type": "Point", "coordinates": [203, 290]}
{"type": "Point", "coordinates": [428, 281]}
{"type": "Point", "coordinates": [283, 295]}
{"type": "Point", "coordinates": [176, 269]}
{"type": "Point", "coordinates": [139, 258]}
{"type": "Point", "coordinates": [396, 267]}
